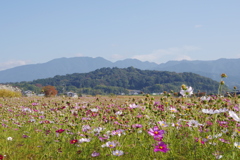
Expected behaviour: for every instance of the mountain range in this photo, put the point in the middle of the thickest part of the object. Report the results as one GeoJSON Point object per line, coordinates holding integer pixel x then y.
{"type": "Point", "coordinates": [62, 66]}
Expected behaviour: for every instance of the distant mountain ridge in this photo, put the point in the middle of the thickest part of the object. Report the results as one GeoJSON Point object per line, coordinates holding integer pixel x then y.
{"type": "Point", "coordinates": [211, 69]}
{"type": "Point", "coordinates": [62, 66]}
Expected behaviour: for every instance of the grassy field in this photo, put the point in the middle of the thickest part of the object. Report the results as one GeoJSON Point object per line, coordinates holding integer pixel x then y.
{"type": "Point", "coordinates": [120, 127]}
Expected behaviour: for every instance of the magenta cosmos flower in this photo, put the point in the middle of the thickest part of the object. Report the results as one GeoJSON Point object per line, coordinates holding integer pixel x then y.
{"type": "Point", "coordinates": [161, 147]}
{"type": "Point", "coordinates": [60, 131]}
{"type": "Point", "coordinates": [73, 141]}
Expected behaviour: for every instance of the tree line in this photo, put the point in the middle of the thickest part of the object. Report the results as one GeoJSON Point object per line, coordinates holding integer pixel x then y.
{"type": "Point", "coordinates": [116, 81]}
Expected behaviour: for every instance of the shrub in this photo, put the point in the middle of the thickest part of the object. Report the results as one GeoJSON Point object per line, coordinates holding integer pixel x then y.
{"type": "Point", "coordinates": [9, 93]}
{"type": "Point", "coordinates": [49, 91]}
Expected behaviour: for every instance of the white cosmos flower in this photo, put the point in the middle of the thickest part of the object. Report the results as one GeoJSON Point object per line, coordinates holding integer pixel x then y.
{"type": "Point", "coordinates": [111, 144]}
{"type": "Point", "coordinates": [117, 153]}
{"type": "Point", "coordinates": [208, 111]}
{"type": "Point", "coordinates": [118, 113]}
{"type": "Point", "coordinates": [133, 106]}
{"type": "Point", "coordinates": [237, 144]}
{"type": "Point", "coordinates": [219, 156]}
{"type": "Point", "coordinates": [94, 110]}
{"type": "Point", "coordinates": [84, 140]}
{"type": "Point", "coordinates": [9, 138]}
{"type": "Point", "coordinates": [186, 92]}
{"type": "Point", "coordinates": [234, 116]}
{"type": "Point", "coordinates": [211, 111]}
{"type": "Point", "coordinates": [162, 123]}
{"type": "Point", "coordinates": [26, 110]}
{"type": "Point", "coordinates": [204, 98]}
{"type": "Point", "coordinates": [194, 123]}
{"type": "Point", "coordinates": [172, 109]}
{"type": "Point", "coordinates": [225, 130]}
{"type": "Point", "coordinates": [217, 135]}
{"type": "Point", "coordinates": [98, 129]}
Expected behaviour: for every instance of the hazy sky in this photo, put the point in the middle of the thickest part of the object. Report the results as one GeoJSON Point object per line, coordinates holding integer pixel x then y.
{"type": "Point", "coordinates": [37, 31]}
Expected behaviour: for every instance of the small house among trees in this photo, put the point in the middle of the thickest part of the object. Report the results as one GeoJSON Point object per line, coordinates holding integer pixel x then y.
{"type": "Point", "coordinates": [29, 93]}
{"type": "Point", "coordinates": [71, 94]}
{"type": "Point", "coordinates": [134, 92]}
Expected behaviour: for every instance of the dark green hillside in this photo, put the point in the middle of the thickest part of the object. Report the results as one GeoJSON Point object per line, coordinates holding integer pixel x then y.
{"type": "Point", "coordinates": [115, 80]}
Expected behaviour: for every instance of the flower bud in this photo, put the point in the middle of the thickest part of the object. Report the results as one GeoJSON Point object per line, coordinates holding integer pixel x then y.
{"type": "Point", "coordinates": [184, 87]}
{"type": "Point", "coordinates": [222, 82]}
{"type": "Point", "coordinates": [223, 75]}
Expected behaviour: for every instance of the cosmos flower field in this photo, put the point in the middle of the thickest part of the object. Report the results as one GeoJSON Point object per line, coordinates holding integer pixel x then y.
{"type": "Point", "coordinates": [120, 127]}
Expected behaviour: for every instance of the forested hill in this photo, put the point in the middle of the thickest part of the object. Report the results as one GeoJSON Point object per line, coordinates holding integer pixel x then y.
{"type": "Point", "coordinates": [116, 80]}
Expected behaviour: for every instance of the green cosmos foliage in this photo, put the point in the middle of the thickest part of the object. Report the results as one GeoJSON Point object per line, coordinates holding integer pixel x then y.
{"type": "Point", "coordinates": [44, 128]}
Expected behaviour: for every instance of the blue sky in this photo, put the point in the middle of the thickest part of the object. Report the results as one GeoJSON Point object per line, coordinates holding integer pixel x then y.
{"type": "Point", "coordinates": [149, 30]}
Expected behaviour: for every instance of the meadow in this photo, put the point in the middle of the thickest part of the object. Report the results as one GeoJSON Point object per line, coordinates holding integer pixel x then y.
{"type": "Point", "coordinates": [120, 127]}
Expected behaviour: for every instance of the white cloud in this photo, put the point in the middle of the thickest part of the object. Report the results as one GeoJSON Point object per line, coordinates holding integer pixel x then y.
{"type": "Point", "coordinates": [183, 57]}
{"type": "Point", "coordinates": [164, 55]}
{"type": "Point", "coordinates": [13, 63]}
{"type": "Point", "coordinates": [237, 56]}
{"type": "Point", "coordinates": [116, 57]}
{"type": "Point", "coordinates": [79, 55]}
{"type": "Point", "coordinates": [198, 26]}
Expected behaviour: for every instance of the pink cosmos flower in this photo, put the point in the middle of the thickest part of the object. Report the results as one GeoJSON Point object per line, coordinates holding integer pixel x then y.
{"type": "Point", "coordinates": [161, 147]}
{"type": "Point", "coordinates": [95, 154]}
{"type": "Point", "coordinates": [137, 126]}
{"type": "Point", "coordinates": [201, 140]}
{"type": "Point", "coordinates": [224, 141]}
{"type": "Point", "coordinates": [236, 108]}
{"type": "Point", "coordinates": [34, 104]}
{"type": "Point", "coordinates": [103, 138]}
{"type": "Point", "coordinates": [158, 138]}
{"type": "Point", "coordinates": [118, 132]}
{"type": "Point", "coordinates": [85, 128]}
{"type": "Point", "coordinates": [156, 133]}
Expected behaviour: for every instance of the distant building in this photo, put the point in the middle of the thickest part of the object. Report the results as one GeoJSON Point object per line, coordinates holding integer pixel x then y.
{"type": "Point", "coordinates": [134, 92]}
{"type": "Point", "coordinates": [154, 94]}
{"type": "Point", "coordinates": [71, 94]}
{"type": "Point", "coordinates": [29, 93]}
